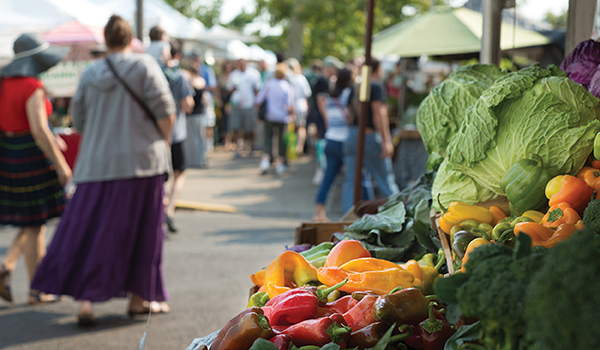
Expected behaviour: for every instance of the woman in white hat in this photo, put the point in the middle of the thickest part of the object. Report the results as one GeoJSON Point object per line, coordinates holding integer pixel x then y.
{"type": "Point", "coordinates": [33, 170]}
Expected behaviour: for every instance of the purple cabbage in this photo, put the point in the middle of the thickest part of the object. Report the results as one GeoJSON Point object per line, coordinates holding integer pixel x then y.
{"type": "Point", "coordinates": [581, 65]}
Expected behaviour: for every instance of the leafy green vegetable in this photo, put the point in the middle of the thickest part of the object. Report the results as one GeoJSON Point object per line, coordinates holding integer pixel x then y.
{"type": "Point", "coordinates": [389, 220]}
{"type": "Point", "coordinates": [453, 185]}
{"type": "Point", "coordinates": [401, 230]}
{"type": "Point", "coordinates": [531, 111]}
{"type": "Point", "coordinates": [463, 335]}
{"type": "Point", "coordinates": [263, 344]}
{"type": "Point", "coordinates": [442, 112]}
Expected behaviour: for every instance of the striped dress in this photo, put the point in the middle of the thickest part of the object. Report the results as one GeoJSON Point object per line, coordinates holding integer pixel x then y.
{"type": "Point", "coordinates": [29, 190]}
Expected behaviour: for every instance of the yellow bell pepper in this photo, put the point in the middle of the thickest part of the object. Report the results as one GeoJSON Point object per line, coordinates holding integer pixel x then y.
{"type": "Point", "coordinates": [553, 186]}
{"type": "Point", "coordinates": [458, 212]}
{"type": "Point", "coordinates": [368, 264]}
{"type": "Point", "coordinates": [413, 267]}
{"type": "Point", "coordinates": [290, 265]}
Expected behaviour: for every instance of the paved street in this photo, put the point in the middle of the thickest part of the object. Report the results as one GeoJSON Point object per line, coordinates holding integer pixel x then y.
{"type": "Point", "coordinates": [207, 263]}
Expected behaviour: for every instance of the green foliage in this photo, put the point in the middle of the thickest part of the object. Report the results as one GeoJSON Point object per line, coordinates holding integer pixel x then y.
{"type": "Point", "coordinates": [206, 11]}
{"type": "Point", "coordinates": [332, 27]}
{"type": "Point", "coordinates": [562, 301]}
{"type": "Point", "coordinates": [558, 21]}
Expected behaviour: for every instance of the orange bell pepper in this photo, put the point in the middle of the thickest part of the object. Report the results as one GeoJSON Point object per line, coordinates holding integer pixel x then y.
{"type": "Point", "coordinates": [563, 232]}
{"type": "Point", "coordinates": [477, 242]}
{"type": "Point", "coordinates": [591, 176]}
{"type": "Point", "coordinates": [368, 264]}
{"type": "Point", "coordinates": [379, 281]}
{"type": "Point", "coordinates": [561, 213]}
{"type": "Point", "coordinates": [497, 213]}
{"type": "Point", "coordinates": [537, 232]}
{"type": "Point", "coordinates": [583, 170]}
{"type": "Point", "coordinates": [289, 265]}
{"type": "Point", "coordinates": [595, 163]}
{"type": "Point", "coordinates": [344, 251]}
{"type": "Point", "coordinates": [573, 191]}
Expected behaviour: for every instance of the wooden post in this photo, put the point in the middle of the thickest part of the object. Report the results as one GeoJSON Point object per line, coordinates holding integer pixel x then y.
{"type": "Point", "coordinates": [365, 97]}
{"type": "Point", "coordinates": [139, 20]}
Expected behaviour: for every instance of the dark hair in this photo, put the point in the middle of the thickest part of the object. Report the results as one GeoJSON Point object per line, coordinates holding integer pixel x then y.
{"type": "Point", "coordinates": [156, 33]}
{"type": "Point", "coordinates": [175, 47]}
{"type": "Point", "coordinates": [375, 63]}
{"type": "Point", "coordinates": [344, 80]}
{"type": "Point", "coordinates": [117, 32]}
{"type": "Point", "coordinates": [280, 57]}
{"type": "Point", "coordinates": [317, 65]}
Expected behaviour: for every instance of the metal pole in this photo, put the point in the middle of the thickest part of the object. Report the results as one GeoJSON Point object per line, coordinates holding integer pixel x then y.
{"type": "Point", "coordinates": [365, 97]}
{"type": "Point", "coordinates": [490, 40]}
{"type": "Point", "coordinates": [139, 17]}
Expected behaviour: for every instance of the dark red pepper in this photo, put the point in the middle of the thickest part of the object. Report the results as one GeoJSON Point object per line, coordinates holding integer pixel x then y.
{"type": "Point", "coordinates": [371, 334]}
{"type": "Point", "coordinates": [361, 315]}
{"type": "Point", "coordinates": [415, 341]}
{"type": "Point", "coordinates": [242, 330]}
{"type": "Point", "coordinates": [342, 305]}
{"type": "Point", "coordinates": [407, 306]}
{"type": "Point", "coordinates": [435, 331]}
{"type": "Point", "coordinates": [319, 331]}
{"type": "Point", "coordinates": [324, 312]}
{"type": "Point", "coordinates": [281, 341]}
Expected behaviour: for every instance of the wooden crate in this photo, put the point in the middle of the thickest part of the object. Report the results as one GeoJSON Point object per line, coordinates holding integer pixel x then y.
{"type": "Point", "coordinates": [315, 233]}
{"type": "Point", "coordinates": [500, 202]}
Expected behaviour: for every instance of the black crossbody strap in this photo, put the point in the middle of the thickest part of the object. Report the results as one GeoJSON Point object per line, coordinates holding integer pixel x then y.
{"type": "Point", "coordinates": [133, 95]}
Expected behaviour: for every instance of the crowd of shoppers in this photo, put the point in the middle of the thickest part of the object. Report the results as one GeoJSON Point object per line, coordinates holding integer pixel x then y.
{"type": "Point", "coordinates": [143, 119]}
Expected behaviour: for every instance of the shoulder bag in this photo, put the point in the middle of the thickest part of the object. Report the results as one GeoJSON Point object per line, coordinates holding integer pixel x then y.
{"type": "Point", "coordinates": [135, 97]}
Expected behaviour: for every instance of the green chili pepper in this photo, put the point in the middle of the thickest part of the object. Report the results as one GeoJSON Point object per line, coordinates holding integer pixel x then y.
{"type": "Point", "coordinates": [520, 219]}
{"type": "Point", "coordinates": [461, 241]}
{"type": "Point", "coordinates": [259, 299]}
{"type": "Point", "coordinates": [499, 229]}
{"type": "Point", "coordinates": [317, 255]}
{"type": "Point", "coordinates": [455, 229]}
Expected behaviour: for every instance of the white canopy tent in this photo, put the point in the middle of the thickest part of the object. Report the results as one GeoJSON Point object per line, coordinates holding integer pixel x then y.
{"type": "Point", "coordinates": [157, 12]}
{"type": "Point", "coordinates": [38, 16]}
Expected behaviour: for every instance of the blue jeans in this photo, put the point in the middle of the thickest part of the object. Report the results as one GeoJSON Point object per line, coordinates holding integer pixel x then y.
{"type": "Point", "coordinates": [379, 169]}
{"type": "Point", "coordinates": [335, 159]}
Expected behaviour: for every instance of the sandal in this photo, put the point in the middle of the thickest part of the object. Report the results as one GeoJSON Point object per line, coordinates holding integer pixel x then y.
{"type": "Point", "coordinates": [86, 320]}
{"type": "Point", "coordinates": [5, 284]}
{"type": "Point", "coordinates": [157, 308]}
{"type": "Point", "coordinates": [36, 298]}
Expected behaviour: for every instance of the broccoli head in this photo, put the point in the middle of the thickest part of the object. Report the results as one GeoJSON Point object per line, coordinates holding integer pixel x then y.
{"type": "Point", "coordinates": [494, 292]}
{"type": "Point", "coordinates": [563, 299]}
{"type": "Point", "coordinates": [591, 216]}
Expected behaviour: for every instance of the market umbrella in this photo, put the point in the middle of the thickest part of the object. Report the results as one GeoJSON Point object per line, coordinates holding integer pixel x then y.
{"type": "Point", "coordinates": [75, 32]}
{"type": "Point", "coordinates": [446, 31]}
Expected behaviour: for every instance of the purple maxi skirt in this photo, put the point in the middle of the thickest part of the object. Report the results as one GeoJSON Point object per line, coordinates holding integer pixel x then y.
{"type": "Point", "coordinates": [109, 242]}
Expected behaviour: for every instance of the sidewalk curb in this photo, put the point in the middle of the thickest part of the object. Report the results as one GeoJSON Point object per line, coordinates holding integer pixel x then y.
{"type": "Point", "coordinates": [223, 208]}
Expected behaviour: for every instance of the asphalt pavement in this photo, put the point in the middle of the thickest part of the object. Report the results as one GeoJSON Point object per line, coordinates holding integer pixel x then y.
{"type": "Point", "coordinates": [207, 263]}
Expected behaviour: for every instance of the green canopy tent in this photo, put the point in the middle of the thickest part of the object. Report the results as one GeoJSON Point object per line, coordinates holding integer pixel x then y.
{"type": "Point", "coordinates": [446, 31]}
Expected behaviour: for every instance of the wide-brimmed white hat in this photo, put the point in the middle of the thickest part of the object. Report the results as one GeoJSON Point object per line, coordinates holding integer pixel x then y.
{"type": "Point", "coordinates": [33, 56]}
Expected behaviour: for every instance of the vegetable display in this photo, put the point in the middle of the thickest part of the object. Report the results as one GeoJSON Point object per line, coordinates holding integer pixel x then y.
{"type": "Point", "coordinates": [532, 111]}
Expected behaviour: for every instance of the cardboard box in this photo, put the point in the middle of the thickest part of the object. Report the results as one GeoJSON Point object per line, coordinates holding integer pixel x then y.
{"type": "Point", "coordinates": [315, 233]}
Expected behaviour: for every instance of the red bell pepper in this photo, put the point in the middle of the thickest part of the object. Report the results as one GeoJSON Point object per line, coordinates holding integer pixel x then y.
{"type": "Point", "coordinates": [361, 315]}
{"type": "Point", "coordinates": [435, 331]}
{"type": "Point", "coordinates": [281, 341]}
{"type": "Point", "coordinates": [319, 331]}
{"type": "Point", "coordinates": [342, 305]}
{"type": "Point", "coordinates": [291, 307]}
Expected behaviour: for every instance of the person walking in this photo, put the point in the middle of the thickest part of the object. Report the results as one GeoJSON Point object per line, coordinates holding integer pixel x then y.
{"type": "Point", "coordinates": [279, 95]}
{"type": "Point", "coordinates": [243, 84]}
{"type": "Point", "coordinates": [183, 93]}
{"type": "Point", "coordinates": [195, 144]}
{"type": "Point", "coordinates": [110, 239]}
{"type": "Point", "coordinates": [378, 148]}
{"type": "Point", "coordinates": [334, 107]}
{"type": "Point", "coordinates": [33, 170]}
{"type": "Point", "coordinates": [302, 92]}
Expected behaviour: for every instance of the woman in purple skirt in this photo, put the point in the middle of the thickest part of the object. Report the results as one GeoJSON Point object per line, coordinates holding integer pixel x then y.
{"type": "Point", "coordinates": [110, 239]}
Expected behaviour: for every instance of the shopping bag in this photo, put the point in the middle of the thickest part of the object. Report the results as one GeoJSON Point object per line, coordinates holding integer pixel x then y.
{"type": "Point", "coordinates": [291, 141]}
